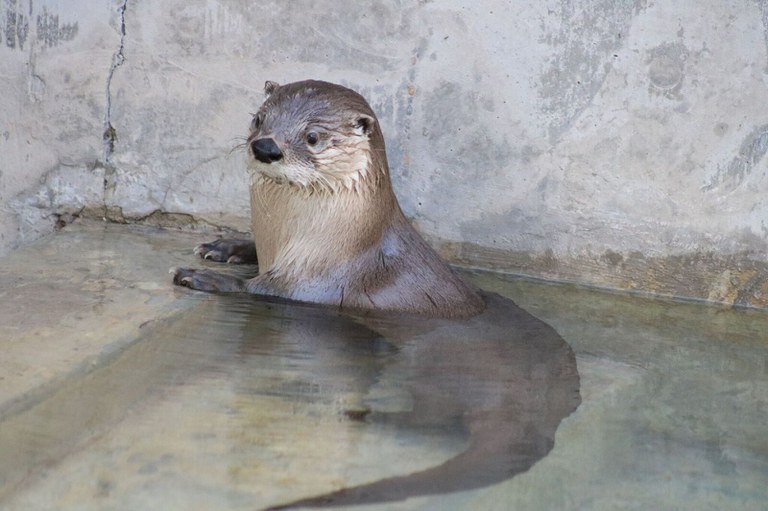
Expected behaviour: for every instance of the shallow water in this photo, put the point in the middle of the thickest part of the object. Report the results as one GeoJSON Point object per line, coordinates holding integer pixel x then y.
{"type": "Point", "coordinates": [231, 403]}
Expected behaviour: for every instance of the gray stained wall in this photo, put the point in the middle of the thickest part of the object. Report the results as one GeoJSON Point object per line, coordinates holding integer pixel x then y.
{"type": "Point", "coordinates": [613, 143]}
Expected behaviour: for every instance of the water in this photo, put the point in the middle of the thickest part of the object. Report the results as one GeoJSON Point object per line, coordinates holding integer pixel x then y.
{"type": "Point", "coordinates": [212, 402]}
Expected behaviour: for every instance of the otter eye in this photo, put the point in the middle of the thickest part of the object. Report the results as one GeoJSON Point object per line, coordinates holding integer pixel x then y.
{"type": "Point", "coordinates": [312, 138]}
{"type": "Point", "coordinates": [257, 121]}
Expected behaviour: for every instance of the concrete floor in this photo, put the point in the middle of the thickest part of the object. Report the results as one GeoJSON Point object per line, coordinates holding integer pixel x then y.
{"type": "Point", "coordinates": [120, 391]}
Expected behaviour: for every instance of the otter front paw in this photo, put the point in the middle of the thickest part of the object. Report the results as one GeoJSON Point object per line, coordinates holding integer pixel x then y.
{"type": "Point", "coordinates": [229, 251]}
{"type": "Point", "coordinates": [207, 280]}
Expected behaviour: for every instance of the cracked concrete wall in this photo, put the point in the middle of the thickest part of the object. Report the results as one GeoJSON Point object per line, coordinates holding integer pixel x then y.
{"type": "Point", "coordinates": [53, 68]}
{"type": "Point", "coordinates": [614, 143]}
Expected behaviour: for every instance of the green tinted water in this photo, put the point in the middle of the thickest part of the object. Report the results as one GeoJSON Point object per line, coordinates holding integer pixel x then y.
{"type": "Point", "coordinates": [209, 402]}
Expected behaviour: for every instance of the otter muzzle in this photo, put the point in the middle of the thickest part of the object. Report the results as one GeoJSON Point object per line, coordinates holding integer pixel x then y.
{"type": "Point", "coordinates": [266, 150]}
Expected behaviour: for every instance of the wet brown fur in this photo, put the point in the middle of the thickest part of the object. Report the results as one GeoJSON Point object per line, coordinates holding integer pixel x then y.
{"type": "Point", "coordinates": [327, 225]}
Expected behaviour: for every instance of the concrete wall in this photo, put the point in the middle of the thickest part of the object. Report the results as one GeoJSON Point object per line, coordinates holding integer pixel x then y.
{"type": "Point", "coordinates": [614, 143]}
{"type": "Point", "coordinates": [54, 65]}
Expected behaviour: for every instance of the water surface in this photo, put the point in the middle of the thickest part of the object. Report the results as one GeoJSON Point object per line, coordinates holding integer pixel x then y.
{"type": "Point", "coordinates": [231, 403]}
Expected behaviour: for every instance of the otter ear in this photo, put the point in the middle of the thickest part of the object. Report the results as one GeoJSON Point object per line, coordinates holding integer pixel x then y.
{"type": "Point", "coordinates": [270, 87]}
{"type": "Point", "coordinates": [364, 124]}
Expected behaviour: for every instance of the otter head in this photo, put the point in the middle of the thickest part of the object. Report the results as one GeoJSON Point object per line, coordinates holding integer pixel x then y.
{"type": "Point", "coordinates": [315, 136]}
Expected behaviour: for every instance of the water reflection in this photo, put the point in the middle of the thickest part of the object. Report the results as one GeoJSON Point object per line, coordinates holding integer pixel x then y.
{"type": "Point", "coordinates": [246, 379]}
{"type": "Point", "coordinates": [503, 381]}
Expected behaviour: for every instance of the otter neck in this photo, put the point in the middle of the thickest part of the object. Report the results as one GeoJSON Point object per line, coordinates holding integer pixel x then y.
{"type": "Point", "coordinates": [303, 233]}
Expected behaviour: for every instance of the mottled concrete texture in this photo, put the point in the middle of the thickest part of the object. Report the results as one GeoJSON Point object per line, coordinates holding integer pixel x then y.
{"type": "Point", "coordinates": [613, 143]}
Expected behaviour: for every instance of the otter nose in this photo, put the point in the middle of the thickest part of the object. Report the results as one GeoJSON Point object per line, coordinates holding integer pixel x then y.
{"type": "Point", "coordinates": [265, 150]}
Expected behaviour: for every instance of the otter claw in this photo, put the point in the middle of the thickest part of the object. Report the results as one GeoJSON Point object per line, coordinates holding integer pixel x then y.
{"type": "Point", "coordinates": [206, 280]}
{"type": "Point", "coordinates": [227, 251]}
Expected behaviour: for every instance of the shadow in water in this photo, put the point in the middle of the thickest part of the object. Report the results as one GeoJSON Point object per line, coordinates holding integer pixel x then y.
{"type": "Point", "coordinates": [504, 379]}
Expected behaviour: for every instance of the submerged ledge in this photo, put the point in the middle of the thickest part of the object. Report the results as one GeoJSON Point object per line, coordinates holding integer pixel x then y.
{"type": "Point", "coordinates": [739, 280]}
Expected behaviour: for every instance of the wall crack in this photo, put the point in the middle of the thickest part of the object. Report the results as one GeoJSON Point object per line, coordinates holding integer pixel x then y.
{"type": "Point", "coordinates": [118, 58]}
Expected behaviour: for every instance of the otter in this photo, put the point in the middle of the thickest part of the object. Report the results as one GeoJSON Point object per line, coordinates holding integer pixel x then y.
{"type": "Point", "coordinates": [328, 230]}
{"type": "Point", "coordinates": [326, 223]}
